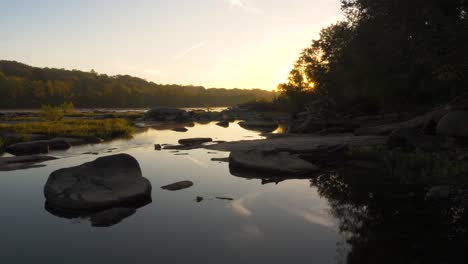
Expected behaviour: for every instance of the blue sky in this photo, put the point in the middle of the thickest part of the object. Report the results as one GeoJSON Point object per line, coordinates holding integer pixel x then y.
{"type": "Point", "coordinates": [214, 43]}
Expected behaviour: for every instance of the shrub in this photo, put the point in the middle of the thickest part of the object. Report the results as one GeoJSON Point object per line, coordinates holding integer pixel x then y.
{"type": "Point", "coordinates": [51, 113]}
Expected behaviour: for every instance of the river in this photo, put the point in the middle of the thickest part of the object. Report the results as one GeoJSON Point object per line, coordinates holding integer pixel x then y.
{"type": "Point", "coordinates": [263, 223]}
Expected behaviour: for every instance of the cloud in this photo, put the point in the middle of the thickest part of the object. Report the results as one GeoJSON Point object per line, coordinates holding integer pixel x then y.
{"type": "Point", "coordinates": [240, 205]}
{"type": "Point", "coordinates": [243, 5]}
{"type": "Point", "coordinates": [185, 52]}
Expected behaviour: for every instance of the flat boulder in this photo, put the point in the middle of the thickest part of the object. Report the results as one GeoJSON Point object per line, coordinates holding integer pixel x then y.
{"type": "Point", "coordinates": [104, 183]}
{"type": "Point", "coordinates": [178, 186]}
{"type": "Point", "coordinates": [454, 124]}
{"type": "Point", "coordinates": [194, 141]}
{"type": "Point", "coordinates": [276, 163]}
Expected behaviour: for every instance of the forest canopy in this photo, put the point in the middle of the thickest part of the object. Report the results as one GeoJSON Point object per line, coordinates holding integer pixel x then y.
{"type": "Point", "coordinates": [23, 86]}
{"type": "Point", "coordinates": [393, 55]}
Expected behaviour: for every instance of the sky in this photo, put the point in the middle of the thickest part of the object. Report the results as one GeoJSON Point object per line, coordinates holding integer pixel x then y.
{"type": "Point", "coordinates": [213, 43]}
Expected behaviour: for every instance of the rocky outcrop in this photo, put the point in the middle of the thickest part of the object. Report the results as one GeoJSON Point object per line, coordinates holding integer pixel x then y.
{"type": "Point", "coordinates": [276, 163]}
{"type": "Point", "coordinates": [104, 183]}
{"type": "Point", "coordinates": [420, 122]}
{"type": "Point", "coordinates": [167, 114]}
{"type": "Point", "coordinates": [454, 124]}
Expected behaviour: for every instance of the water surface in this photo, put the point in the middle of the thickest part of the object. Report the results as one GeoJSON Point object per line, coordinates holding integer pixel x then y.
{"type": "Point", "coordinates": [271, 223]}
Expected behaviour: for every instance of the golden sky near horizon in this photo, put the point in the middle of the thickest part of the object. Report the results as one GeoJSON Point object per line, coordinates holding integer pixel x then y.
{"type": "Point", "coordinates": [214, 43]}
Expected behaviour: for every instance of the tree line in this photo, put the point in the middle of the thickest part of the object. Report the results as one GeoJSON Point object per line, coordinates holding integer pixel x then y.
{"type": "Point", "coordinates": [23, 86]}
{"type": "Point", "coordinates": [392, 55]}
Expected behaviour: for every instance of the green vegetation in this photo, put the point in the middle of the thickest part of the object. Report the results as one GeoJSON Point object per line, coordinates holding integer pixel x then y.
{"type": "Point", "coordinates": [23, 86]}
{"type": "Point", "coordinates": [56, 113]}
{"type": "Point", "coordinates": [385, 56]}
{"type": "Point", "coordinates": [105, 129]}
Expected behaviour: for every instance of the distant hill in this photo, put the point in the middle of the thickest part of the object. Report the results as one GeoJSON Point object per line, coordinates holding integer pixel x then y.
{"type": "Point", "coordinates": [23, 86]}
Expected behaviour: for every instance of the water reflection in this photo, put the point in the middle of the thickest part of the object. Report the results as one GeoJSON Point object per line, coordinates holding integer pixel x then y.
{"type": "Point", "coordinates": [104, 218]}
{"type": "Point", "coordinates": [386, 221]}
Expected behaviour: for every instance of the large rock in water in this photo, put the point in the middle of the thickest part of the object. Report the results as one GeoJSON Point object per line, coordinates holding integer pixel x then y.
{"type": "Point", "coordinates": [454, 124]}
{"type": "Point", "coordinates": [277, 163]}
{"type": "Point", "coordinates": [106, 182]}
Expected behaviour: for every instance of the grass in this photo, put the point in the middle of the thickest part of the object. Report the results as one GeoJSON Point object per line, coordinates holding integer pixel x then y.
{"type": "Point", "coordinates": [105, 129]}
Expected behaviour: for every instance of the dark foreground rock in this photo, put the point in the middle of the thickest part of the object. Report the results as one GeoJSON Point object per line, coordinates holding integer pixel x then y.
{"type": "Point", "coordinates": [23, 162]}
{"type": "Point", "coordinates": [194, 141]}
{"type": "Point", "coordinates": [277, 163]}
{"type": "Point", "coordinates": [104, 183]}
{"type": "Point", "coordinates": [178, 186]}
{"type": "Point", "coordinates": [454, 124]}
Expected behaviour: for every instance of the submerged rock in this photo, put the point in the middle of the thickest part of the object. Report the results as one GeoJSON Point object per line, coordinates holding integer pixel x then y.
{"type": "Point", "coordinates": [106, 182]}
{"type": "Point", "coordinates": [194, 141]}
{"type": "Point", "coordinates": [277, 163]}
{"type": "Point", "coordinates": [23, 162]}
{"type": "Point", "coordinates": [178, 186]}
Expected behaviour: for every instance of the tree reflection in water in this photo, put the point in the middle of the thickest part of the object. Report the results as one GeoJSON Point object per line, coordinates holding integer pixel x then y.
{"type": "Point", "coordinates": [386, 221]}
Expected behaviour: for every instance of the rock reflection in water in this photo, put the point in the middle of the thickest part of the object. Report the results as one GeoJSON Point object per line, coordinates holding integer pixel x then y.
{"type": "Point", "coordinates": [103, 218]}
{"type": "Point", "coordinates": [265, 177]}
{"type": "Point", "coordinates": [386, 221]}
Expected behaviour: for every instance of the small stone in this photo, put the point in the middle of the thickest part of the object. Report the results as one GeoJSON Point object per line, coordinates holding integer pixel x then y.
{"type": "Point", "coordinates": [180, 129]}
{"type": "Point", "coordinates": [178, 186]}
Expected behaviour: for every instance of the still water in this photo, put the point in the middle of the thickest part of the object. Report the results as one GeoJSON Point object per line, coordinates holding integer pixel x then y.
{"type": "Point", "coordinates": [287, 222]}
